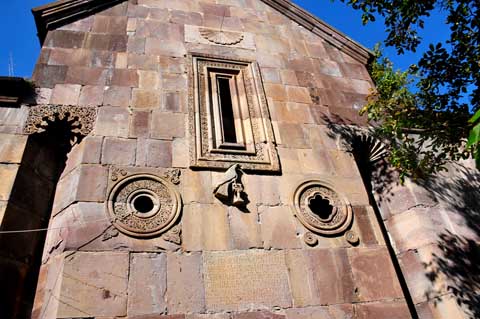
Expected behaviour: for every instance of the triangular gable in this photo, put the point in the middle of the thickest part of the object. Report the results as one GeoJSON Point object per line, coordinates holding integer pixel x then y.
{"type": "Point", "coordinates": [56, 14]}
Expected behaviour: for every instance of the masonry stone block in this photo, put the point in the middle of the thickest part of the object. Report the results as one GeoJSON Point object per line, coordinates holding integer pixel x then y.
{"type": "Point", "coordinates": [262, 314]}
{"type": "Point", "coordinates": [344, 311]}
{"type": "Point", "coordinates": [164, 47]}
{"type": "Point", "coordinates": [420, 268]}
{"type": "Point", "coordinates": [124, 77]}
{"type": "Point", "coordinates": [393, 310]}
{"type": "Point", "coordinates": [142, 61]}
{"type": "Point", "coordinates": [244, 228]}
{"type": "Point", "coordinates": [148, 80]}
{"type": "Point", "coordinates": [109, 24]}
{"type": "Point", "coordinates": [278, 227]}
{"type": "Point", "coordinates": [205, 227]}
{"type": "Point", "coordinates": [64, 39]}
{"type": "Point", "coordinates": [147, 284]}
{"type": "Point", "coordinates": [180, 153]}
{"type": "Point", "coordinates": [66, 94]}
{"type": "Point", "coordinates": [293, 135]}
{"type": "Point", "coordinates": [12, 148]}
{"type": "Point", "coordinates": [112, 121]}
{"type": "Point", "coordinates": [159, 153]}
{"type": "Point", "coordinates": [117, 96]}
{"type": "Point", "coordinates": [106, 42]}
{"type": "Point", "coordinates": [140, 124]}
{"type": "Point", "coordinates": [333, 276]}
{"type": "Point", "coordinates": [185, 288]}
{"type": "Point", "coordinates": [415, 228]}
{"type": "Point", "coordinates": [48, 289]}
{"type": "Point", "coordinates": [373, 274]}
{"type": "Point", "coordinates": [91, 95]}
{"type": "Point", "coordinates": [166, 125]}
{"type": "Point", "coordinates": [199, 189]}
{"type": "Point", "coordinates": [302, 283]}
{"type": "Point", "coordinates": [87, 75]}
{"type": "Point", "coordinates": [145, 98]}
{"type": "Point", "coordinates": [69, 57]}
{"type": "Point", "coordinates": [94, 284]}
{"type": "Point", "coordinates": [118, 151]}
{"type": "Point", "coordinates": [8, 172]}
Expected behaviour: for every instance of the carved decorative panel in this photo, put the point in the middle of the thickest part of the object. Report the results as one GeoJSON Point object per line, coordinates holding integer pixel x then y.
{"type": "Point", "coordinates": [321, 209]}
{"type": "Point", "coordinates": [144, 205]}
{"type": "Point", "coordinates": [81, 119]}
{"type": "Point", "coordinates": [254, 144]}
{"type": "Point", "coordinates": [221, 37]}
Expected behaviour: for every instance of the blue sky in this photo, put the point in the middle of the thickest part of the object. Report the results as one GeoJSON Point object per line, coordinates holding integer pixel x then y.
{"type": "Point", "coordinates": [19, 40]}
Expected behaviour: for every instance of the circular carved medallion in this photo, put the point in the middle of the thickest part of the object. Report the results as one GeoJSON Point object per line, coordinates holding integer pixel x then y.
{"type": "Point", "coordinates": [321, 209]}
{"type": "Point", "coordinates": [144, 205]}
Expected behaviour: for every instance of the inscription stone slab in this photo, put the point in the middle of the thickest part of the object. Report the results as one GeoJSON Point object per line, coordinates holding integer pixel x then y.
{"type": "Point", "coordinates": [246, 280]}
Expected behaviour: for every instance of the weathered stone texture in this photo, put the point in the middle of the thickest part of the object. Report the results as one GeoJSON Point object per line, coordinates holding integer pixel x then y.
{"type": "Point", "coordinates": [373, 274]}
{"type": "Point", "coordinates": [129, 61]}
{"type": "Point", "coordinates": [147, 284]}
{"type": "Point", "coordinates": [185, 287]}
{"type": "Point", "coordinates": [85, 183]}
{"type": "Point", "coordinates": [205, 227]}
{"type": "Point", "coordinates": [94, 283]}
{"type": "Point", "coordinates": [11, 148]}
{"type": "Point", "coordinates": [278, 228]}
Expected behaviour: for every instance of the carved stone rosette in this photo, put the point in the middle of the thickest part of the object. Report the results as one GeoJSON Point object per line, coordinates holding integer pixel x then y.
{"type": "Point", "coordinates": [144, 205]}
{"type": "Point", "coordinates": [321, 209]}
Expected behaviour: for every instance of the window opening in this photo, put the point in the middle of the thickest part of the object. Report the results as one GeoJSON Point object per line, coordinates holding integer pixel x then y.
{"type": "Point", "coordinates": [321, 207]}
{"type": "Point", "coordinates": [226, 109]}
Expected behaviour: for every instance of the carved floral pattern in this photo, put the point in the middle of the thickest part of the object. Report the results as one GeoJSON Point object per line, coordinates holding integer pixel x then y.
{"type": "Point", "coordinates": [174, 235]}
{"type": "Point", "coordinates": [81, 119]}
{"type": "Point", "coordinates": [173, 175]}
{"type": "Point", "coordinates": [335, 221]}
{"type": "Point", "coordinates": [128, 218]}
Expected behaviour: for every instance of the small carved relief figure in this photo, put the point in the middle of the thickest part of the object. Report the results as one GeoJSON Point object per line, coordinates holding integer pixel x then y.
{"type": "Point", "coordinates": [230, 189]}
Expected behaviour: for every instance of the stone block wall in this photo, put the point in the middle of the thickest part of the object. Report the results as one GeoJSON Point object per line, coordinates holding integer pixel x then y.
{"type": "Point", "coordinates": [433, 226]}
{"type": "Point", "coordinates": [129, 64]}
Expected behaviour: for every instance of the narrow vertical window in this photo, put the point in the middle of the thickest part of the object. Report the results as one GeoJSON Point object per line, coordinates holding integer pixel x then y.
{"type": "Point", "coordinates": [226, 109]}
{"type": "Point", "coordinates": [229, 120]}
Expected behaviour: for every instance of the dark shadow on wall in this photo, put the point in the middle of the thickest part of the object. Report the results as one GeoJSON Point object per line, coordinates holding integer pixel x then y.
{"type": "Point", "coordinates": [458, 259]}
{"type": "Point", "coordinates": [377, 177]}
{"type": "Point", "coordinates": [29, 207]}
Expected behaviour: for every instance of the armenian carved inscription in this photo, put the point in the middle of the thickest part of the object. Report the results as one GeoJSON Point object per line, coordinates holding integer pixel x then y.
{"type": "Point", "coordinates": [240, 280]}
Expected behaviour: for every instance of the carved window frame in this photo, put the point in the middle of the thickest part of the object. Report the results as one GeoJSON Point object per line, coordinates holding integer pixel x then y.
{"type": "Point", "coordinates": [255, 148]}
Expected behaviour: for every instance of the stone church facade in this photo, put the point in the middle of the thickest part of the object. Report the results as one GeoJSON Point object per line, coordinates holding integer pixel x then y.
{"type": "Point", "coordinates": [205, 159]}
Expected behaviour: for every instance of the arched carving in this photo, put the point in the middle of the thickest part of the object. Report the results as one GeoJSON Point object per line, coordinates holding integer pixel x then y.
{"type": "Point", "coordinates": [80, 119]}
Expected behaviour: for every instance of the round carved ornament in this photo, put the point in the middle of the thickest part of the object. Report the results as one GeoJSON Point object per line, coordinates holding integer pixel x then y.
{"type": "Point", "coordinates": [144, 205]}
{"type": "Point", "coordinates": [321, 209]}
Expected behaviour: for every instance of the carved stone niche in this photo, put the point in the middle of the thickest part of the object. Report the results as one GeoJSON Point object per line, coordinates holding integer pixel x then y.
{"type": "Point", "coordinates": [80, 119]}
{"type": "Point", "coordinates": [229, 121]}
{"type": "Point", "coordinates": [143, 205]}
{"type": "Point", "coordinates": [321, 209]}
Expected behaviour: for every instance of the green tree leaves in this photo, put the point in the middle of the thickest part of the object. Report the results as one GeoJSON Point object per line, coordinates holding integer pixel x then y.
{"type": "Point", "coordinates": [425, 113]}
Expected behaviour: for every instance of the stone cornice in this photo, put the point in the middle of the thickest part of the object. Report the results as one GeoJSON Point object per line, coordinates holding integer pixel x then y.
{"type": "Point", "coordinates": [51, 16]}
{"type": "Point", "coordinates": [56, 14]}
